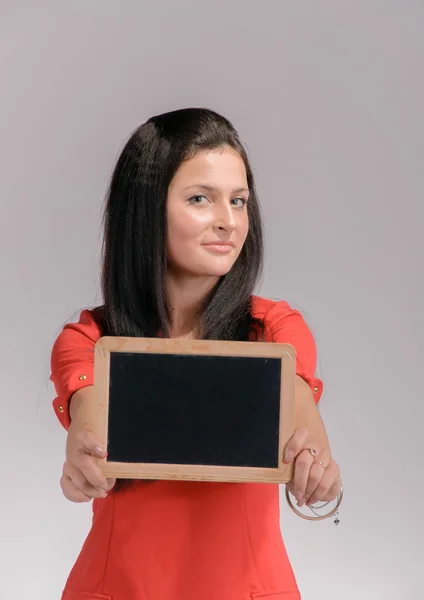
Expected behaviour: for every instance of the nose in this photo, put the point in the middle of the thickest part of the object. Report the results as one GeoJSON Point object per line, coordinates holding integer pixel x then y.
{"type": "Point", "coordinates": [225, 218]}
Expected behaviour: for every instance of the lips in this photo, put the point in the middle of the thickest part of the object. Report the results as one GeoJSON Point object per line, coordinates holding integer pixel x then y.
{"type": "Point", "coordinates": [220, 243]}
{"type": "Point", "coordinates": [219, 247]}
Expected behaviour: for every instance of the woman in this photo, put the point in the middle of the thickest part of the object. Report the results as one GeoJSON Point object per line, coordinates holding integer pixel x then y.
{"type": "Point", "coordinates": [182, 254]}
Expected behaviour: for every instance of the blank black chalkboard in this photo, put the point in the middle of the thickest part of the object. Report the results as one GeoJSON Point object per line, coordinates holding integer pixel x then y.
{"type": "Point", "coordinates": [199, 410]}
{"type": "Point", "coordinates": [185, 409]}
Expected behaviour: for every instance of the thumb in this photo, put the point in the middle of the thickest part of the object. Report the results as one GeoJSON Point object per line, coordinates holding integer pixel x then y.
{"type": "Point", "coordinates": [91, 444]}
{"type": "Point", "coordinates": [295, 444]}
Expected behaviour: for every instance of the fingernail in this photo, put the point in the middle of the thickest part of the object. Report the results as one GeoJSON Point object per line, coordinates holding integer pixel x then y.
{"type": "Point", "coordinates": [288, 457]}
{"type": "Point", "coordinates": [100, 451]}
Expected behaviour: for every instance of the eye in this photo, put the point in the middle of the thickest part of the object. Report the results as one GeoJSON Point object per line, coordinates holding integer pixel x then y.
{"type": "Point", "coordinates": [239, 202]}
{"type": "Point", "coordinates": [198, 200]}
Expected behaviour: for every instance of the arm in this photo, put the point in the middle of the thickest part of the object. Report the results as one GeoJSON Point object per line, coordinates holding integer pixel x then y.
{"type": "Point", "coordinates": [82, 479]}
{"type": "Point", "coordinates": [311, 481]}
{"type": "Point", "coordinates": [81, 406]}
{"type": "Point", "coordinates": [72, 363]}
{"type": "Point", "coordinates": [307, 414]}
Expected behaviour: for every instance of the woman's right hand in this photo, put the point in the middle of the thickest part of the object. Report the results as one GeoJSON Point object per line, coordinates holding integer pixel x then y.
{"type": "Point", "coordinates": [82, 479]}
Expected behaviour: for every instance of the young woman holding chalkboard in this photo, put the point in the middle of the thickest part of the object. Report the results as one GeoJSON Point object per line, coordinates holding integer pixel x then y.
{"type": "Point", "coordinates": [182, 255]}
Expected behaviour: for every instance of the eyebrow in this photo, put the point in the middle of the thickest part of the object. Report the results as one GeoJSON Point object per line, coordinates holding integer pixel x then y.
{"type": "Point", "coordinates": [211, 188]}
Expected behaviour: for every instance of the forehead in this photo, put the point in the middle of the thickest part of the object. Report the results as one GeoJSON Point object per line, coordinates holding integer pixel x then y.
{"type": "Point", "coordinates": [224, 165]}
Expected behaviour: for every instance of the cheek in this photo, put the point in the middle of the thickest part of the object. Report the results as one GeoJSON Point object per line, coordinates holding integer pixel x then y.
{"type": "Point", "coordinates": [244, 228]}
{"type": "Point", "coordinates": [183, 230]}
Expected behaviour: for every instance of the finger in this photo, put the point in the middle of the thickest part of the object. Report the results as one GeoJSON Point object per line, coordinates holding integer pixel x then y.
{"type": "Point", "coordinates": [290, 486]}
{"type": "Point", "coordinates": [81, 482]}
{"type": "Point", "coordinates": [301, 474]}
{"type": "Point", "coordinates": [90, 444]}
{"type": "Point", "coordinates": [320, 482]}
{"type": "Point", "coordinates": [316, 474]}
{"type": "Point", "coordinates": [333, 492]}
{"type": "Point", "coordinates": [92, 472]}
{"type": "Point", "coordinates": [317, 491]}
{"type": "Point", "coordinates": [296, 444]}
{"type": "Point", "coordinates": [72, 493]}
{"type": "Point", "coordinates": [333, 471]}
{"type": "Point", "coordinates": [325, 492]}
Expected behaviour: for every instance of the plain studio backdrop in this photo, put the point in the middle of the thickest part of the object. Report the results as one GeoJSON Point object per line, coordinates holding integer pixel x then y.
{"type": "Point", "coordinates": [328, 97]}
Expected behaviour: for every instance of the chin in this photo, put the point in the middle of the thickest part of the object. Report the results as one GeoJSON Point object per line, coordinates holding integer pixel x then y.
{"type": "Point", "coordinates": [218, 270]}
{"type": "Point", "coordinates": [218, 273]}
{"type": "Point", "coordinates": [214, 267]}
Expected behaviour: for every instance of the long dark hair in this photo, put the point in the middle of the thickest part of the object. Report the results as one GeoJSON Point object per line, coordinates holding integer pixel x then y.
{"type": "Point", "coordinates": [134, 266]}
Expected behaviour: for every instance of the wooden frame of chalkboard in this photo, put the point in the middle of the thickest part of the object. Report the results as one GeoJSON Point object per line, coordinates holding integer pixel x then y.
{"type": "Point", "coordinates": [275, 362]}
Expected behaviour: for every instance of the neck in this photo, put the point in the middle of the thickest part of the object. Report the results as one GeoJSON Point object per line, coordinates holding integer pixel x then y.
{"type": "Point", "coordinates": [185, 294]}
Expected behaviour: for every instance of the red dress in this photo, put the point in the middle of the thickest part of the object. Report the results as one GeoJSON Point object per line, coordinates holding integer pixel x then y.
{"type": "Point", "coordinates": [170, 540]}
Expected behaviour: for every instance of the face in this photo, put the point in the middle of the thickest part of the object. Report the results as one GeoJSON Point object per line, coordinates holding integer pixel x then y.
{"type": "Point", "coordinates": [207, 214]}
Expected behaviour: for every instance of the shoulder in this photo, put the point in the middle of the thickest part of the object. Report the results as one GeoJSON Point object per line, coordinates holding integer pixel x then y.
{"type": "Point", "coordinates": [88, 324]}
{"type": "Point", "coordinates": [82, 333]}
{"type": "Point", "coordinates": [72, 359]}
{"type": "Point", "coordinates": [282, 322]}
{"type": "Point", "coordinates": [285, 324]}
{"type": "Point", "coordinates": [271, 311]}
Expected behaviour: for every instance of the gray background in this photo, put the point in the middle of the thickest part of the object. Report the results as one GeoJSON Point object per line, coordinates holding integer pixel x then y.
{"type": "Point", "coordinates": [328, 97]}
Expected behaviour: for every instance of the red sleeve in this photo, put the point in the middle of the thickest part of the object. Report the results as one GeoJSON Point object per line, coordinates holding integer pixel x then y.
{"type": "Point", "coordinates": [72, 362]}
{"type": "Point", "coordinates": [286, 325]}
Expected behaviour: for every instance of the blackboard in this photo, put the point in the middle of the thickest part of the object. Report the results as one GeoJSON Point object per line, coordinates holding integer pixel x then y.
{"type": "Point", "coordinates": [194, 409]}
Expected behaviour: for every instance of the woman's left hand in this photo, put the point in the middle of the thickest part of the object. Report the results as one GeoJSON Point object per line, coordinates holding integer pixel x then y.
{"type": "Point", "coordinates": [311, 481]}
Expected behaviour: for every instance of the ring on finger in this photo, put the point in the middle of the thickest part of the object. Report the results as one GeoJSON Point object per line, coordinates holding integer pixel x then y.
{"type": "Point", "coordinates": [318, 462]}
{"type": "Point", "coordinates": [311, 451]}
